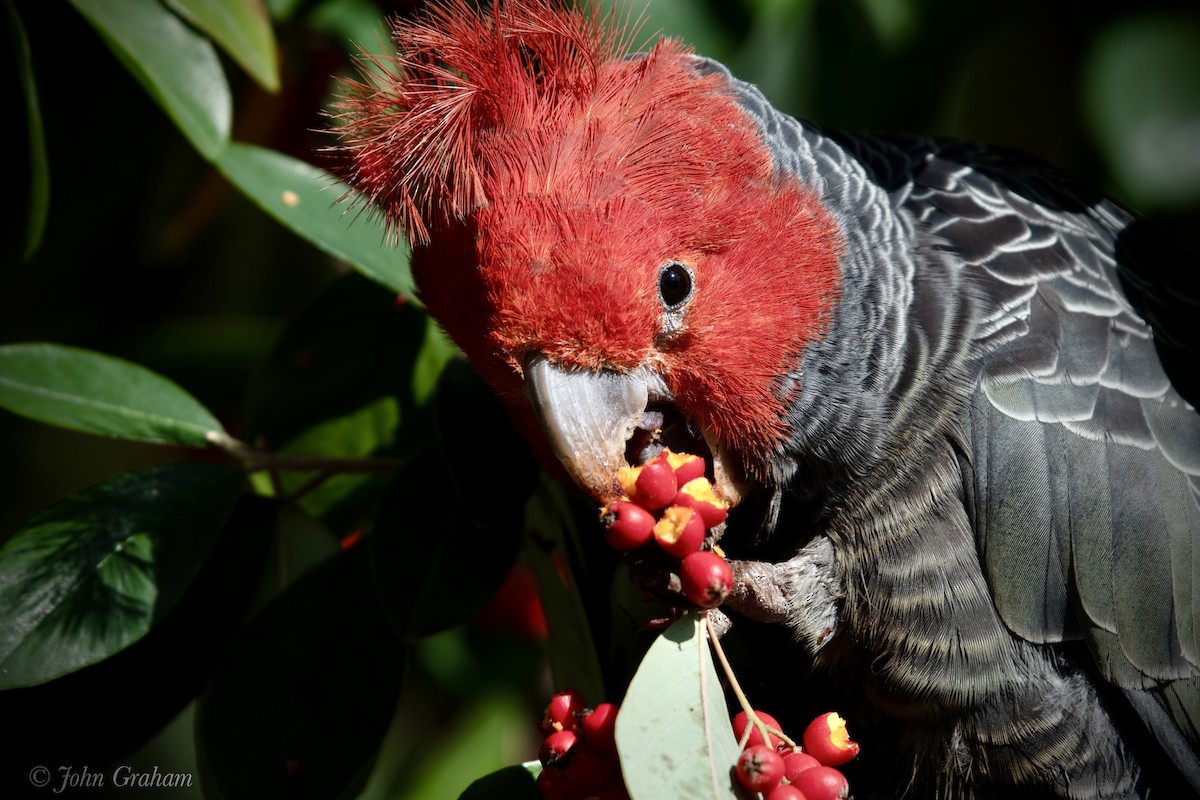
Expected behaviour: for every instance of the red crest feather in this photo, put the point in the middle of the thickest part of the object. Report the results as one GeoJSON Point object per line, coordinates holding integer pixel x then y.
{"type": "Point", "coordinates": [414, 123]}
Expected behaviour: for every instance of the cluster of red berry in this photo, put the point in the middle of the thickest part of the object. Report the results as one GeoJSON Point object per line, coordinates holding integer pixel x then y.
{"type": "Point", "coordinates": [780, 769]}
{"type": "Point", "coordinates": [672, 503]}
{"type": "Point", "coordinates": [579, 753]}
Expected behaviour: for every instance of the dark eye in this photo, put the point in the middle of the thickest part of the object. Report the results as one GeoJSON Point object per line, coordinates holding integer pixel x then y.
{"type": "Point", "coordinates": [674, 285]}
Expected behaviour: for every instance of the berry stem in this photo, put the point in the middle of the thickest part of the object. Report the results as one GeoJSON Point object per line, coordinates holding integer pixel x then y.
{"type": "Point", "coordinates": [764, 729]}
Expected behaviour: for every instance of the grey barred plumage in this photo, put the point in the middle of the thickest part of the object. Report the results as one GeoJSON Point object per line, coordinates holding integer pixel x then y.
{"type": "Point", "coordinates": [1006, 475]}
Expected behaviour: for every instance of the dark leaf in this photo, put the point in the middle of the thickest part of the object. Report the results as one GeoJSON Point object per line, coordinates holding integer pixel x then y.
{"type": "Point", "coordinates": [106, 711]}
{"type": "Point", "coordinates": [511, 783]}
{"type": "Point", "coordinates": [39, 164]}
{"type": "Point", "coordinates": [301, 702]}
{"type": "Point", "coordinates": [177, 66]}
{"type": "Point", "coordinates": [352, 347]}
{"type": "Point", "coordinates": [95, 572]}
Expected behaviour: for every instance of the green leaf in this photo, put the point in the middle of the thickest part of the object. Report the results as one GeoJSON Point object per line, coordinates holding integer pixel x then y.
{"type": "Point", "coordinates": [309, 201]}
{"type": "Point", "coordinates": [517, 782]}
{"type": "Point", "coordinates": [120, 703]}
{"type": "Point", "coordinates": [302, 700]}
{"type": "Point", "coordinates": [242, 28]}
{"type": "Point", "coordinates": [673, 733]}
{"type": "Point", "coordinates": [95, 572]}
{"type": "Point", "coordinates": [39, 163]}
{"type": "Point", "coordinates": [90, 392]}
{"type": "Point", "coordinates": [177, 66]}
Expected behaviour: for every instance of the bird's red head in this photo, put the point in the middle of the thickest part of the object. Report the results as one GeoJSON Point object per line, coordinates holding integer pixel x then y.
{"type": "Point", "coordinates": [603, 213]}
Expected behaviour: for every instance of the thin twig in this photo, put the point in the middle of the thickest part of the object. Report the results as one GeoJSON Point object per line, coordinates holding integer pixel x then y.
{"type": "Point", "coordinates": [765, 730]}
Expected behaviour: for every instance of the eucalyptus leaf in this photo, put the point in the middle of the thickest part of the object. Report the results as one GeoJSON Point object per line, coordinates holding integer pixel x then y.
{"type": "Point", "coordinates": [178, 66]}
{"type": "Point", "coordinates": [94, 393]}
{"type": "Point", "coordinates": [39, 162]}
{"type": "Point", "coordinates": [311, 203]}
{"type": "Point", "coordinates": [673, 732]}
{"type": "Point", "coordinates": [242, 28]}
{"type": "Point", "coordinates": [95, 572]}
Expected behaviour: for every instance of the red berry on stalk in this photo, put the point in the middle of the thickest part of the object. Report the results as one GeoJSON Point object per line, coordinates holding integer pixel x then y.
{"type": "Point", "coordinates": [700, 495]}
{"type": "Point", "coordinates": [679, 531]}
{"type": "Point", "coordinates": [822, 783]}
{"type": "Point", "coordinates": [599, 727]}
{"type": "Point", "coordinates": [562, 712]}
{"type": "Point", "coordinates": [785, 791]}
{"type": "Point", "coordinates": [827, 740]}
{"type": "Point", "coordinates": [555, 785]}
{"type": "Point", "coordinates": [794, 763]}
{"type": "Point", "coordinates": [555, 749]}
{"type": "Point", "coordinates": [759, 768]}
{"type": "Point", "coordinates": [741, 720]}
{"type": "Point", "coordinates": [706, 577]}
{"type": "Point", "coordinates": [627, 526]}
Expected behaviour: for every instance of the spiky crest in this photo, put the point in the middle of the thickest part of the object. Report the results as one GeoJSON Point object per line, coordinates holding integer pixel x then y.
{"type": "Point", "coordinates": [416, 122]}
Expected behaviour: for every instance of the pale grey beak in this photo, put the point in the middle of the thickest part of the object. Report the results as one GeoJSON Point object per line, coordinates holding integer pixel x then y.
{"type": "Point", "coordinates": [587, 418]}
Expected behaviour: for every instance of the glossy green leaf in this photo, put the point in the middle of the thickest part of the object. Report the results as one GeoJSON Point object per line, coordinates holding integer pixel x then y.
{"type": "Point", "coordinates": [95, 393]}
{"type": "Point", "coordinates": [120, 703]}
{"type": "Point", "coordinates": [242, 28]}
{"type": "Point", "coordinates": [673, 733]}
{"type": "Point", "coordinates": [38, 208]}
{"type": "Point", "coordinates": [95, 572]}
{"type": "Point", "coordinates": [309, 201]}
{"type": "Point", "coordinates": [302, 700]}
{"type": "Point", "coordinates": [177, 66]}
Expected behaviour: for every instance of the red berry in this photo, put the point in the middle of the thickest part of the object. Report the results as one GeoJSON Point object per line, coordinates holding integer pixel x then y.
{"type": "Point", "coordinates": [599, 727]}
{"type": "Point", "coordinates": [555, 749]}
{"type": "Point", "coordinates": [562, 712]}
{"type": "Point", "coordinates": [759, 768]}
{"type": "Point", "coordinates": [655, 484]}
{"type": "Point", "coordinates": [555, 785]}
{"type": "Point", "coordinates": [679, 531]}
{"type": "Point", "coordinates": [785, 792]}
{"type": "Point", "coordinates": [822, 783]}
{"type": "Point", "coordinates": [740, 720]}
{"type": "Point", "coordinates": [795, 763]}
{"type": "Point", "coordinates": [827, 740]}
{"type": "Point", "coordinates": [590, 770]}
{"type": "Point", "coordinates": [686, 466]}
{"type": "Point", "coordinates": [627, 526]}
{"type": "Point", "coordinates": [706, 577]}
{"type": "Point", "coordinates": [700, 495]}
